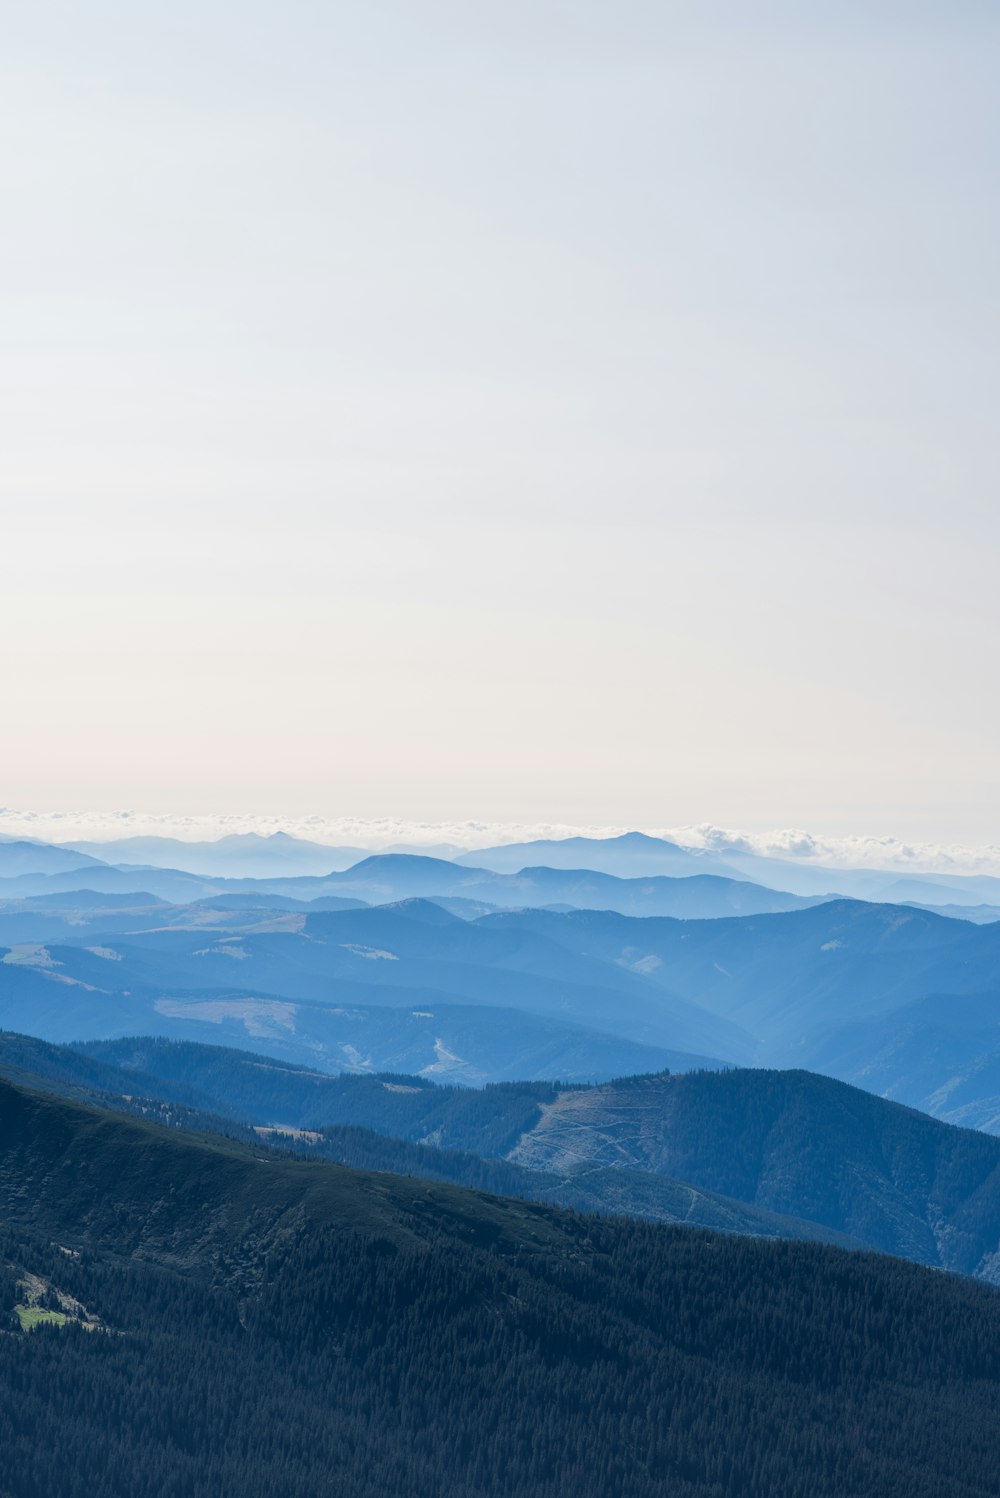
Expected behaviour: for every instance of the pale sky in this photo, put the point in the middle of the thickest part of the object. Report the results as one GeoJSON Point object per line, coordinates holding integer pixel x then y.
{"type": "Point", "coordinates": [502, 410]}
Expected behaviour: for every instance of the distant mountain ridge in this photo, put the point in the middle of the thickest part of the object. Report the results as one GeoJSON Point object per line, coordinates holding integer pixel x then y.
{"type": "Point", "coordinates": [382, 878]}
{"type": "Point", "coordinates": [761, 988]}
{"type": "Point", "coordinates": [278, 965]}
{"type": "Point", "coordinates": [237, 855]}
{"type": "Point", "coordinates": [75, 994]}
{"type": "Point", "coordinates": [631, 855]}
{"type": "Point", "coordinates": [788, 977]}
{"type": "Point", "coordinates": [20, 857]}
{"type": "Point", "coordinates": [939, 1053]}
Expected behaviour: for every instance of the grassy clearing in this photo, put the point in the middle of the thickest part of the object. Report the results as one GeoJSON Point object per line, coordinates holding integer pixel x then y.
{"type": "Point", "coordinates": [31, 1316]}
{"type": "Point", "coordinates": [30, 1313]}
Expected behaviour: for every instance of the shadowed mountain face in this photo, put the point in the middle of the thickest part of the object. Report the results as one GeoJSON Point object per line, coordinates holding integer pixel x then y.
{"type": "Point", "coordinates": [797, 1143]}
{"type": "Point", "coordinates": [940, 1053]}
{"type": "Point", "coordinates": [785, 978]}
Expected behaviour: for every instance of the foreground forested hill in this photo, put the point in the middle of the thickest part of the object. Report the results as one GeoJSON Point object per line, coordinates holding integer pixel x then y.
{"type": "Point", "coordinates": [71, 1073]}
{"type": "Point", "coordinates": [221, 1323]}
{"type": "Point", "coordinates": [789, 1143]}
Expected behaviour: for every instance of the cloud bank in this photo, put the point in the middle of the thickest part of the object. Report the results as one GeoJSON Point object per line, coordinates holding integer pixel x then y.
{"type": "Point", "coordinates": [860, 851]}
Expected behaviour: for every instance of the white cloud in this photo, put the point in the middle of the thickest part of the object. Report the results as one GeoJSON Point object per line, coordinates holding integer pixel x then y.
{"type": "Point", "coordinates": [856, 851]}
{"type": "Point", "coordinates": [859, 851]}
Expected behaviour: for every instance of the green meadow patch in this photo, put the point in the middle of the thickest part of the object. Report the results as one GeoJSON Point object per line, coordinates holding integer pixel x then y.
{"type": "Point", "coordinates": [32, 1316]}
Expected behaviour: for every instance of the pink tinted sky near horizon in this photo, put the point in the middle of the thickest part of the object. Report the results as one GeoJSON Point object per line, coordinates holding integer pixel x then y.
{"type": "Point", "coordinates": [551, 413]}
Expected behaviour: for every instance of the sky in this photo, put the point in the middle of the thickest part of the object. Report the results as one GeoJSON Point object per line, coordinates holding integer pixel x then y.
{"type": "Point", "coordinates": [563, 413]}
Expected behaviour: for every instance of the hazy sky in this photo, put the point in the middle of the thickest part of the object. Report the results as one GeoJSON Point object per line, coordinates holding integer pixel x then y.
{"type": "Point", "coordinates": [510, 410]}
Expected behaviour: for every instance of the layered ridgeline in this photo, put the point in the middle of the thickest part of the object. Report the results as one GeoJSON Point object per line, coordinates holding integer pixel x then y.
{"type": "Point", "coordinates": [431, 1035]}
{"type": "Point", "coordinates": [290, 988]}
{"type": "Point", "coordinates": [635, 855]}
{"type": "Point", "coordinates": [774, 1153]}
{"type": "Point", "coordinates": [940, 1053]}
{"type": "Point", "coordinates": [585, 994]}
{"type": "Point", "coordinates": [41, 874]}
{"type": "Point", "coordinates": [785, 977]}
{"type": "Point", "coordinates": [385, 878]}
{"type": "Point", "coordinates": [276, 1327]}
{"type": "Point", "coordinates": [632, 856]}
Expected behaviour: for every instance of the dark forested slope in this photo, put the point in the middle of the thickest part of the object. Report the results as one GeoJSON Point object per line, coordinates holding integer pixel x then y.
{"type": "Point", "coordinates": [68, 1072]}
{"type": "Point", "coordinates": [794, 1142]}
{"type": "Point", "coordinates": [282, 1330]}
{"type": "Point", "coordinates": [791, 1143]}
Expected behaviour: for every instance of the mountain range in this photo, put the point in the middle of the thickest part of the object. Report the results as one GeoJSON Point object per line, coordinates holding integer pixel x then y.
{"type": "Point", "coordinates": [786, 1154]}
{"type": "Point", "coordinates": [388, 877]}
{"type": "Point", "coordinates": [800, 1147]}
{"type": "Point", "coordinates": [838, 987]}
{"type": "Point", "coordinates": [335, 1196]}
{"type": "Point", "coordinates": [630, 856]}
{"type": "Point", "coordinates": [238, 855]}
